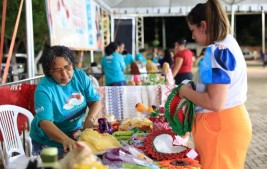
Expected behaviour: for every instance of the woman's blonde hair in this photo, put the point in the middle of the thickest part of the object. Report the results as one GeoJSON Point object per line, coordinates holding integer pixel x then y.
{"type": "Point", "coordinates": [215, 16]}
{"type": "Point", "coordinates": [151, 67]}
{"type": "Point", "coordinates": [165, 68]}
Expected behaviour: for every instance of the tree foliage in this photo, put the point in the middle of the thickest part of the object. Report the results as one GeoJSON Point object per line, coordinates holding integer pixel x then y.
{"type": "Point", "coordinates": [40, 26]}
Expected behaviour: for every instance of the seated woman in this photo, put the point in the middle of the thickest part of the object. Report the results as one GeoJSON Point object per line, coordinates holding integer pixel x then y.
{"type": "Point", "coordinates": [141, 56]}
{"type": "Point", "coordinates": [154, 56]}
{"type": "Point", "coordinates": [113, 66]}
{"type": "Point", "coordinates": [60, 102]}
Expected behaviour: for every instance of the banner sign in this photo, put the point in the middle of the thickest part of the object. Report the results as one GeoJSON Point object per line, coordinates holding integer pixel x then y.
{"type": "Point", "coordinates": [72, 23]}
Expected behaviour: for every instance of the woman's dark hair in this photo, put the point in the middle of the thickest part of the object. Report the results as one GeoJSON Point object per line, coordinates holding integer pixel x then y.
{"type": "Point", "coordinates": [142, 50]}
{"type": "Point", "coordinates": [124, 52]}
{"type": "Point", "coordinates": [197, 14]}
{"type": "Point", "coordinates": [182, 41]}
{"type": "Point", "coordinates": [215, 16]}
{"type": "Point", "coordinates": [50, 55]}
{"type": "Point", "coordinates": [94, 64]}
{"type": "Point", "coordinates": [202, 52]}
{"type": "Point", "coordinates": [111, 48]}
{"type": "Point", "coordinates": [167, 57]}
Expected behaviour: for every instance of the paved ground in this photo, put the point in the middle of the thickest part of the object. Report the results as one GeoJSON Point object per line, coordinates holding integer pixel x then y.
{"type": "Point", "coordinates": [257, 108]}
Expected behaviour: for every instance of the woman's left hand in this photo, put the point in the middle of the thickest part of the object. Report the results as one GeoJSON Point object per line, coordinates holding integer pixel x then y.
{"type": "Point", "coordinates": [89, 123]}
{"type": "Point", "coordinates": [183, 90]}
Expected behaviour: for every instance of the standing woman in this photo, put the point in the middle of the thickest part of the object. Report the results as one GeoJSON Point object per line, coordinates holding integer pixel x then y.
{"type": "Point", "coordinates": [182, 68]}
{"type": "Point", "coordinates": [222, 128]}
{"type": "Point", "coordinates": [121, 47]}
{"type": "Point", "coordinates": [113, 66]}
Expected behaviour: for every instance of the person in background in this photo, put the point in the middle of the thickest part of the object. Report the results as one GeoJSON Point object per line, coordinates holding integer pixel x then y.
{"type": "Point", "coordinates": [121, 47]}
{"type": "Point", "coordinates": [154, 56]}
{"type": "Point", "coordinates": [182, 67]}
{"type": "Point", "coordinates": [167, 57]}
{"type": "Point", "coordinates": [128, 59]}
{"type": "Point", "coordinates": [200, 57]}
{"type": "Point", "coordinates": [135, 73]}
{"type": "Point", "coordinates": [167, 72]}
{"type": "Point", "coordinates": [113, 66]}
{"type": "Point", "coordinates": [141, 56]}
{"type": "Point", "coordinates": [222, 128]}
{"type": "Point", "coordinates": [96, 71]}
{"type": "Point", "coordinates": [60, 102]}
{"type": "Point", "coordinates": [172, 54]}
{"type": "Point", "coordinates": [134, 69]}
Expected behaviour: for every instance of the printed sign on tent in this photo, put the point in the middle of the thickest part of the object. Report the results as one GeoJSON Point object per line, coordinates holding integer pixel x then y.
{"type": "Point", "coordinates": [72, 23]}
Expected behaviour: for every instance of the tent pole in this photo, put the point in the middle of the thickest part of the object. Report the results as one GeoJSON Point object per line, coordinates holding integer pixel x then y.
{"type": "Point", "coordinates": [163, 34]}
{"type": "Point", "coordinates": [30, 43]}
{"type": "Point", "coordinates": [92, 56]}
{"type": "Point", "coordinates": [263, 32]}
{"type": "Point", "coordinates": [233, 20]}
{"type": "Point", "coordinates": [112, 27]}
{"type": "Point", "coordinates": [133, 35]}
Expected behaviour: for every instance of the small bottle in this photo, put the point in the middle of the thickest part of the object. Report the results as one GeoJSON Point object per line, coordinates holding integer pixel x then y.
{"type": "Point", "coordinates": [49, 158]}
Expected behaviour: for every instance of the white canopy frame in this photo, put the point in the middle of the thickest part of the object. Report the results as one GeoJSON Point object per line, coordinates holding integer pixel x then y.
{"type": "Point", "coordinates": [133, 28]}
{"type": "Point", "coordinates": [142, 8]}
{"type": "Point", "coordinates": [156, 8]}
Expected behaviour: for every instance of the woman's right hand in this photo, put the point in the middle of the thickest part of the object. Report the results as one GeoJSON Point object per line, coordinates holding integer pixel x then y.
{"type": "Point", "coordinates": [69, 144]}
{"type": "Point", "coordinates": [54, 133]}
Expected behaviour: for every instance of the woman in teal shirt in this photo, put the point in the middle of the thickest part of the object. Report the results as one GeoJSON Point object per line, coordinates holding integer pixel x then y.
{"type": "Point", "coordinates": [113, 66]}
{"type": "Point", "coordinates": [128, 59]}
{"type": "Point", "coordinates": [140, 57]}
{"type": "Point", "coordinates": [60, 102]}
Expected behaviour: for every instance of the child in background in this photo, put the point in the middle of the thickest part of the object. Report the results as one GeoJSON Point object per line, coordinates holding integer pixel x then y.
{"type": "Point", "coordinates": [166, 70]}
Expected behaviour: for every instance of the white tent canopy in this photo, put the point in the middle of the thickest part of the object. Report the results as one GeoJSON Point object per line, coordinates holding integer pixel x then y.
{"type": "Point", "coordinates": [175, 7]}
{"type": "Point", "coordinates": [153, 8]}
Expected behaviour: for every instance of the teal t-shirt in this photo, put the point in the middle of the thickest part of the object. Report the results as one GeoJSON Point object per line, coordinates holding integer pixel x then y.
{"type": "Point", "coordinates": [128, 59]}
{"type": "Point", "coordinates": [65, 106]}
{"type": "Point", "coordinates": [113, 66]}
{"type": "Point", "coordinates": [140, 57]}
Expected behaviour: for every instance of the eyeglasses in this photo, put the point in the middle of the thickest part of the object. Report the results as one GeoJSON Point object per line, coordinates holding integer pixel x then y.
{"type": "Point", "coordinates": [60, 70]}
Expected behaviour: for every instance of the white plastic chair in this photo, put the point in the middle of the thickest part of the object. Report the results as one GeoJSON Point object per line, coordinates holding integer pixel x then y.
{"type": "Point", "coordinates": [94, 80]}
{"type": "Point", "coordinates": [13, 154]}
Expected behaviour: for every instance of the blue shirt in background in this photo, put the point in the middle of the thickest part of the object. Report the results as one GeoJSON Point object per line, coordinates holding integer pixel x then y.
{"type": "Point", "coordinates": [113, 66]}
{"type": "Point", "coordinates": [140, 57]}
{"type": "Point", "coordinates": [155, 60]}
{"type": "Point", "coordinates": [128, 59]}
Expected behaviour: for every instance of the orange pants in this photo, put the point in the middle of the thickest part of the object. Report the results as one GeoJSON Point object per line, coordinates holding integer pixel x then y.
{"type": "Point", "coordinates": [222, 138]}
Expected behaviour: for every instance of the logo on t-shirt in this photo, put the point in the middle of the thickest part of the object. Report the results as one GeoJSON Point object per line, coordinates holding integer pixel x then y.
{"type": "Point", "coordinates": [76, 99]}
{"type": "Point", "coordinates": [39, 109]}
